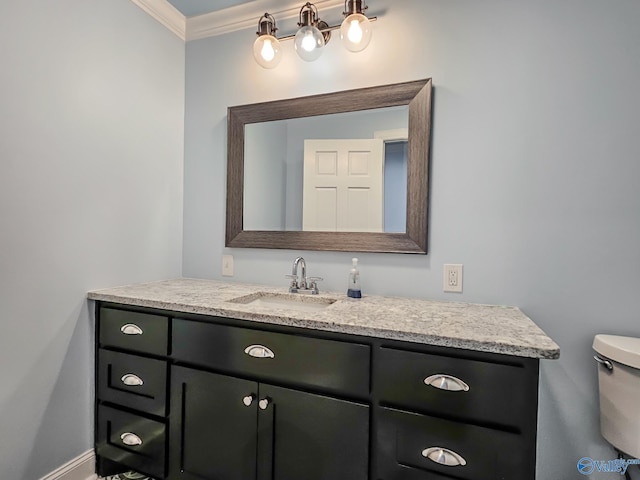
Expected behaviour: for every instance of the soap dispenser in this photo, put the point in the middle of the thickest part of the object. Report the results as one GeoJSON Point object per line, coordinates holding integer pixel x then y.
{"type": "Point", "coordinates": [354, 290]}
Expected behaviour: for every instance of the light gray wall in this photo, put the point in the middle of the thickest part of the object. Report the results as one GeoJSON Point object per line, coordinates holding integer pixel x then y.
{"type": "Point", "coordinates": [395, 186]}
{"type": "Point", "coordinates": [265, 179]}
{"type": "Point", "coordinates": [534, 178]}
{"type": "Point", "coordinates": [91, 162]}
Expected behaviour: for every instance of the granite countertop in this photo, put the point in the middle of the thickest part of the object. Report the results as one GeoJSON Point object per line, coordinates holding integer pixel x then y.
{"type": "Point", "coordinates": [485, 328]}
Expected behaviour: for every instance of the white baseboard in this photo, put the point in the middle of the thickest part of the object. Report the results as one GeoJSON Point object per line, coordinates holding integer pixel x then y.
{"type": "Point", "coordinates": [82, 467]}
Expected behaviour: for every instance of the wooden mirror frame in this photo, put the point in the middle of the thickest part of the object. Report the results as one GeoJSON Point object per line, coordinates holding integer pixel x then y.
{"type": "Point", "coordinates": [417, 95]}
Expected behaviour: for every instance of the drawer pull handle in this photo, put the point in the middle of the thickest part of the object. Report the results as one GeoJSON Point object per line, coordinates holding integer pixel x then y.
{"type": "Point", "coordinates": [263, 404]}
{"type": "Point", "coordinates": [444, 456]}
{"type": "Point", "coordinates": [131, 329]}
{"type": "Point", "coordinates": [259, 351]}
{"type": "Point", "coordinates": [131, 439]}
{"type": "Point", "coordinates": [446, 382]}
{"type": "Point", "coordinates": [132, 380]}
{"type": "Point", "coordinates": [248, 400]}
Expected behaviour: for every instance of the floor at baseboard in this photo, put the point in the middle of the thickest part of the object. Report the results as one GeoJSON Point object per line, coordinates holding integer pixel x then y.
{"type": "Point", "coordinates": [120, 477]}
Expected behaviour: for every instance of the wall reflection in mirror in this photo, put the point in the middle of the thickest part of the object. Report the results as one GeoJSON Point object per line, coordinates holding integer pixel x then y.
{"type": "Point", "coordinates": [339, 172]}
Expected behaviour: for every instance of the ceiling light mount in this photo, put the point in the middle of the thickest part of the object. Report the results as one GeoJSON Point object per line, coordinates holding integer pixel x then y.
{"type": "Point", "coordinates": [313, 33]}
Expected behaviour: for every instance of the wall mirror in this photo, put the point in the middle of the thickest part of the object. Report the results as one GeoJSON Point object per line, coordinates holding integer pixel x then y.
{"type": "Point", "coordinates": [282, 153]}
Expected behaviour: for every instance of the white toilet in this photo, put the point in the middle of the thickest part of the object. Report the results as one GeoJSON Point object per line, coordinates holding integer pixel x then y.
{"type": "Point", "coordinates": [619, 385]}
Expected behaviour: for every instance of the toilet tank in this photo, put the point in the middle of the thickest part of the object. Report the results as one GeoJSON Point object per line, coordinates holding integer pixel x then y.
{"type": "Point", "coordinates": [619, 387]}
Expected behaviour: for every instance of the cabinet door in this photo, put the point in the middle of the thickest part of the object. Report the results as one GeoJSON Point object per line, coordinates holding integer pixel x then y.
{"type": "Point", "coordinates": [213, 430]}
{"type": "Point", "coordinates": [311, 437]}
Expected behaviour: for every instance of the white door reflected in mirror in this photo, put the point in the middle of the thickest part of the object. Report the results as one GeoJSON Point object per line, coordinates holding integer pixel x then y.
{"type": "Point", "coordinates": [343, 185]}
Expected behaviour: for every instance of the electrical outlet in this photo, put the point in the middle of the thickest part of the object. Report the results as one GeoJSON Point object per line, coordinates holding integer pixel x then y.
{"type": "Point", "coordinates": [452, 281]}
{"type": "Point", "coordinates": [227, 265]}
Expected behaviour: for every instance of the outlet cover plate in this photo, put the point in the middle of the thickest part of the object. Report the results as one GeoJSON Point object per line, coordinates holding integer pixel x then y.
{"type": "Point", "coordinates": [452, 278]}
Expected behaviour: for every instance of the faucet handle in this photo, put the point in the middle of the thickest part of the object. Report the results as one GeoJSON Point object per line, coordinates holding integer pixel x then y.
{"type": "Point", "coordinates": [313, 283]}
{"type": "Point", "coordinates": [294, 280]}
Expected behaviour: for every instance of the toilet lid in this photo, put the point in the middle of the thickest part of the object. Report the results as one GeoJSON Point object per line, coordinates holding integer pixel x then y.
{"type": "Point", "coordinates": [625, 350]}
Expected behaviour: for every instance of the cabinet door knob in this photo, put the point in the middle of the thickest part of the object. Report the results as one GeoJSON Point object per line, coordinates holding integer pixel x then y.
{"type": "Point", "coordinates": [131, 439]}
{"type": "Point", "coordinates": [444, 456]}
{"type": "Point", "coordinates": [259, 351]}
{"type": "Point", "coordinates": [248, 400]}
{"type": "Point", "coordinates": [446, 382]}
{"type": "Point", "coordinates": [131, 329]}
{"type": "Point", "coordinates": [131, 380]}
{"type": "Point", "coordinates": [263, 404]}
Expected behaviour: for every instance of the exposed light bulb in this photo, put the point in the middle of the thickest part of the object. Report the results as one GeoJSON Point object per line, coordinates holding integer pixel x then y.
{"type": "Point", "coordinates": [267, 51]}
{"type": "Point", "coordinates": [308, 43]}
{"type": "Point", "coordinates": [355, 32]}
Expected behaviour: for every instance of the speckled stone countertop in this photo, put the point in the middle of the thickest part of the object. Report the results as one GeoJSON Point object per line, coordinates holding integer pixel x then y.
{"type": "Point", "coordinates": [486, 328]}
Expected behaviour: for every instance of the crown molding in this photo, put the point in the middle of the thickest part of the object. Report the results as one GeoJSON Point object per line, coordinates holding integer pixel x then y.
{"type": "Point", "coordinates": [246, 15]}
{"type": "Point", "coordinates": [227, 20]}
{"type": "Point", "coordinates": [166, 14]}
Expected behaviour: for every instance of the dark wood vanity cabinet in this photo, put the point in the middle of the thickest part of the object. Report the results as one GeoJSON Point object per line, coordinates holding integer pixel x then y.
{"type": "Point", "coordinates": [224, 427]}
{"type": "Point", "coordinates": [457, 414]}
{"type": "Point", "coordinates": [131, 391]}
{"type": "Point", "coordinates": [209, 398]}
{"type": "Point", "coordinates": [227, 427]}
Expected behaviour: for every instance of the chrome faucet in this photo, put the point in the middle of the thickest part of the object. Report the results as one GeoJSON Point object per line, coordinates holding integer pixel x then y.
{"type": "Point", "coordinates": [294, 271]}
{"type": "Point", "coordinates": [301, 283]}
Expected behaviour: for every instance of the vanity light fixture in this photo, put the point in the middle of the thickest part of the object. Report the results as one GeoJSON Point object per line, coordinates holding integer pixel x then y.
{"type": "Point", "coordinates": [355, 30]}
{"type": "Point", "coordinates": [309, 40]}
{"type": "Point", "coordinates": [266, 48]}
{"type": "Point", "coordinates": [313, 34]}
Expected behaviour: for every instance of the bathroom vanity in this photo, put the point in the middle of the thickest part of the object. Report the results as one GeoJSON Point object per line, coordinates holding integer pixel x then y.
{"type": "Point", "coordinates": [205, 380]}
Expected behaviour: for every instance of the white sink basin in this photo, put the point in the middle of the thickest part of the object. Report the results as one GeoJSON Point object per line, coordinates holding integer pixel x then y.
{"type": "Point", "coordinates": [284, 301]}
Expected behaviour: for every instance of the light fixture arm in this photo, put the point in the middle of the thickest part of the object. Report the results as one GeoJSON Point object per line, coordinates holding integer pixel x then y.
{"type": "Point", "coordinates": [323, 30]}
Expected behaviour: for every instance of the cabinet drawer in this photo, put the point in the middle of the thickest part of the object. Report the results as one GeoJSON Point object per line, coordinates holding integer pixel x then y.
{"type": "Point", "coordinates": [136, 382]}
{"type": "Point", "coordinates": [139, 332]}
{"type": "Point", "coordinates": [413, 447]}
{"type": "Point", "coordinates": [302, 360]}
{"type": "Point", "coordinates": [496, 393]}
{"type": "Point", "coordinates": [133, 441]}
